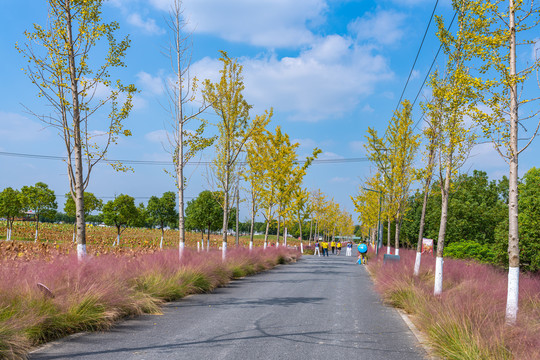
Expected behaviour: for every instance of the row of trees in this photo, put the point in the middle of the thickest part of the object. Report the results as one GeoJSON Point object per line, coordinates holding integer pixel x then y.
{"type": "Point", "coordinates": [61, 58]}
{"type": "Point", "coordinates": [40, 201]}
{"type": "Point", "coordinates": [475, 96]}
{"type": "Point", "coordinates": [322, 217]}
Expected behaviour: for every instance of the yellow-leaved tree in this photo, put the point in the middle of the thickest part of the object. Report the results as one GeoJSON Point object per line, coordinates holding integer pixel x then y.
{"type": "Point", "coordinates": [511, 102]}
{"type": "Point", "coordinates": [61, 64]}
{"type": "Point", "coordinates": [235, 128]}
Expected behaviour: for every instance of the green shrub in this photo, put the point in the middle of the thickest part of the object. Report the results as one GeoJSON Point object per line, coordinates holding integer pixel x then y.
{"type": "Point", "coordinates": [468, 249]}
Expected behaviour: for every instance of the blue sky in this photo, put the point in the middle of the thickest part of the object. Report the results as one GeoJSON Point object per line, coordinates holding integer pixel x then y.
{"type": "Point", "coordinates": [329, 68]}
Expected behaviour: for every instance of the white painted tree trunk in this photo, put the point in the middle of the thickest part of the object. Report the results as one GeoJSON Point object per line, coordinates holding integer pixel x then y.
{"type": "Point", "coordinates": [513, 225]}
{"type": "Point", "coordinates": [396, 251]}
{"type": "Point", "coordinates": [250, 245]}
{"type": "Point", "coordinates": [389, 248]}
{"type": "Point", "coordinates": [417, 263]}
{"type": "Point", "coordinates": [512, 297]}
{"type": "Point", "coordinates": [301, 247]}
{"type": "Point", "coordinates": [161, 242]}
{"type": "Point", "coordinates": [81, 251]}
{"type": "Point", "coordinates": [118, 240]}
{"type": "Point", "coordinates": [36, 236]}
{"type": "Point", "coordinates": [445, 190]}
{"type": "Point", "coordinates": [198, 246]}
{"type": "Point", "coordinates": [74, 236]}
{"type": "Point", "coordinates": [181, 247]}
{"type": "Point", "coordinates": [438, 276]}
{"type": "Point", "coordinates": [266, 234]}
{"type": "Point", "coordinates": [285, 237]}
{"type": "Point", "coordinates": [224, 251]}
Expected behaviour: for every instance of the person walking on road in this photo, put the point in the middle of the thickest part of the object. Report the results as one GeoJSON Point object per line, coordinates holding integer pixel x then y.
{"type": "Point", "coordinates": [338, 246]}
{"type": "Point", "coordinates": [317, 251]}
{"type": "Point", "coordinates": [324, 245]}
{"type": "Point", "coordinates": [349, 249]}
{"type": "Point", "coordinates": [333, 245]}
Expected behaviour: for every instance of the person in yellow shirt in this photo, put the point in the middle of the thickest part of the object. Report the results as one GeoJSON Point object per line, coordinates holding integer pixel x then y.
{"type": "Point", "coordinates": [324, 246]}
{"type": "Point", "coordinates": [333, 245]}
{"type": "Point", "coordinates": [338, 247]}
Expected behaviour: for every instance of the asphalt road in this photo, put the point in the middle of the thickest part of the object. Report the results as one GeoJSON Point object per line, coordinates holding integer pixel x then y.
{"type": "Point", "coordinates": [318, 308]}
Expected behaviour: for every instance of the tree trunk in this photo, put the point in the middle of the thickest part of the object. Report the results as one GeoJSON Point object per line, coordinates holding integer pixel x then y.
{"type": "Point", "coordinates": [277, 235]}
{"type": "Point", "coordinates": [76, 184]}
{"type": "Point", "coordinates": [310, 229]}
{"type": "Point", "coordinates": [266, 234]}
{"type": "Point", "coordinates": [513, 230]}
{"type": "Point", "coordinates": [388, 235]}
{"type": "Point", "coordinates": [398, 230]}
{"type": "Point", "coordinates": [252, 229]}
{"type": "Point", "coordinates": [208, 239]}
{"type": "Point", "coordinates": [422, 225]}
{"type": "Point", "coordinates": [179, 135]}
{"type": "Point", "coordinates": [437, 290]}
{"type": "Point", "coordinates": [237, 235]}
{"type": "Point", "coordinates": [37, 225]}
{"type": "Point", "coordinates": [162, 235]}
{"type": "Point", "coordinates": [225, 214]}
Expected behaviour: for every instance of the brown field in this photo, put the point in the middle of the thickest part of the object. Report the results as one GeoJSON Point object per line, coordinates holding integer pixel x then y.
{"type": "Point", "coordinates": [56, 239]}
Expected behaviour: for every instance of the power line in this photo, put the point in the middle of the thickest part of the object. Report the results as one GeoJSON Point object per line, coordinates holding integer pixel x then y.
{"type": "Point", "coordinates": [157, 162]}
{"type": "Point", "coordinates": [429, 71]}
{"type": "Point", "coordinates": [417, 54]}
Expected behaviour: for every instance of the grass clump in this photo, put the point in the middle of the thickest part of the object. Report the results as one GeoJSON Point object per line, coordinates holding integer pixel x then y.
{"type": "Point", "coordinates": [468, 320]}
{"type": "Point", "coordinates": [92, 295]}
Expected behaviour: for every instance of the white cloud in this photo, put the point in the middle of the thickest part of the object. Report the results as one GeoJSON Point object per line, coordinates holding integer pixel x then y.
{"type": "Point", "coordinates": [340, 180]}
{"type": "Point", "coordinates": [367, 108]}
{"type": "Point", "coordinates": [357, 146]}
{"type": "Point", "coordinates": [15, 128]}
{"type": "Point", "coordinates": [149, 26]}
{"type": "Point", "coordinates": [483, 157]}
{"type": "Point", "coordinates": [305, 143]}
{"type": "Point", "coordinates": [159, 136]}
{"type": "Point", "coordinates": [323, 82]}
{"type": "Point", "coordinates": [150, 84]}
{"type": "Point", "coordinates": [327, 155]}
{"type": "Point", "coordinates": [383, 27]}
{"type": "Point", "coordinates": [268, 23]}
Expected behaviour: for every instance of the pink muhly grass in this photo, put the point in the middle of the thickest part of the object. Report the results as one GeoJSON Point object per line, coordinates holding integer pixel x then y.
{"type": "Point", "coordinates": [467, 321]}
{"type": "Point", "coordinates": [91, 295]}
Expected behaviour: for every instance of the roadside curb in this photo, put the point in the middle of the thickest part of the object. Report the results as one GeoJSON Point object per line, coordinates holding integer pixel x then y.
{"type": "Point", "coordinates": [422, 339]}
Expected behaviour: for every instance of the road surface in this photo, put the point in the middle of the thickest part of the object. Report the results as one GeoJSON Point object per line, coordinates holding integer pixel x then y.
{"type": "Point", "coordinates": [319, 308]}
